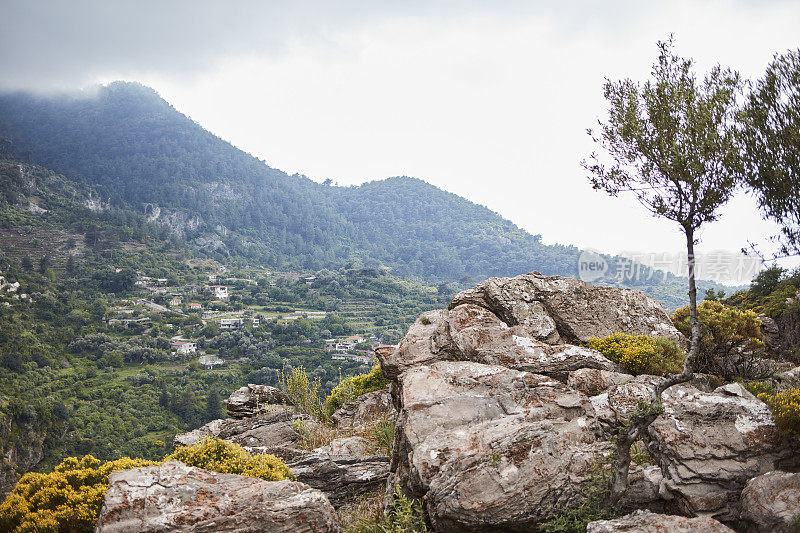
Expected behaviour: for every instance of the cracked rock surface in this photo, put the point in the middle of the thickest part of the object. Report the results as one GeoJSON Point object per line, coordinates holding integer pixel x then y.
{"type": "Point", "coordinates": [176, 497]}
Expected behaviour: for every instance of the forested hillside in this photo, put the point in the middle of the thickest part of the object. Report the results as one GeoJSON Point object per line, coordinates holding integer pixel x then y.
{"type": "Point", "coordinates": [136, 150]}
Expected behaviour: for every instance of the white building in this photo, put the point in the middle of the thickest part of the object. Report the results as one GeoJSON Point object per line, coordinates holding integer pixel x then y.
{"type": "Point", "coordinates": [230, 323]}
{"type": "Point", "coordinates": [184, 346]}
{"type": "Point", "coordinates": [220, 291]}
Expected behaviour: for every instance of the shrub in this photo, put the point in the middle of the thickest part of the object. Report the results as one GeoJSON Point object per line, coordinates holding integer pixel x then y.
{"type": "Point", "coordinates": [730, 339]}
{"type": "Point", "coordinates": [785, 408]}
{"type": "Point", "coordinates": [592, 507]}
{"type": "Point", "coordinates": [303, 391]}
{"type": "Point", "coordinates": [69, 498]}
{"type": "Point", "coordinates": [66, 499]}
{"type": "Point", "coordinates": [405, 516]}
{"type": "Point", "coordinates": [640, 354]}
{"type": "Point", "coordinates": [354, 386]}
{"type": "Point", "coordinates": [229, 458]}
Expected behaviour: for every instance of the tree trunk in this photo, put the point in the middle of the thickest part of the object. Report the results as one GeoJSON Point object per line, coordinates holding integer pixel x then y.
{"type": "Point", "coordinates": [641, 421]}
{"type": "Point", "coordinates": [694, 323]}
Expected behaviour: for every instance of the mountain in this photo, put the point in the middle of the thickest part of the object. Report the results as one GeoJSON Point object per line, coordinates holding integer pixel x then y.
{"type": "Point", "coordinates": [138, 151]}
{"type": "Point", "coordinates": [139, 155]}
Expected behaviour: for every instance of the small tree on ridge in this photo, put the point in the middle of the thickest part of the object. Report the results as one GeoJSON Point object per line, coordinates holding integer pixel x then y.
{"type": "Point", "coordinates": [672, 143]}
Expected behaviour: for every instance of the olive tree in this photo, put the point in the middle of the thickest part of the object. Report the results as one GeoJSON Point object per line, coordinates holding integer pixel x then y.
{"type": "Point", "coordinates": [771, 140]}
{"type": "Point", "coordinates": [671, 142]}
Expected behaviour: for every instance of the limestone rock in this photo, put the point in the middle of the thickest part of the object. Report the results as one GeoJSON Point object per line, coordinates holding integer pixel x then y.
{"type": "Point", "coordinates": [491, 448]}
{"type": "Point", "coordinates": [253, 400]}
{"type": "Point", "coordinates": [557, 309]}
{"type": "Point", "coordinates": [647, 522]}
{"type": "Point", "coordinates": [343, 478]}
{"type": "Point", "coordinates": [710, 444]}
{"type": "Point", "coordinates": [352, 446]}
{"type": "Point", "coordinates": [176, 497]}
{"type": "Point", "coordinates": [771, 503]}
{"type": "Point", "coordinates": [472, 333]}
{"type": "Point", "coordinates": [593, 381]}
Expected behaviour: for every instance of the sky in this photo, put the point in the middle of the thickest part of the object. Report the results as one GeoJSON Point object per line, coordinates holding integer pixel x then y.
{"type": "Point", "coordinates": [490, 100]}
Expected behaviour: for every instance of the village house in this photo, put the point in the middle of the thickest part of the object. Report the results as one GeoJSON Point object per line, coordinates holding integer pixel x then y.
{"type": "Point", "coordinates": [212, 278]}
{"type": "Point", "coordinates": [349, 343]}
{"type": "Point", "coordinates": [175, 302]}
{"type": "Point", "coordinates": [230, 323]}
{"type": "Point", "coordinates": [194, 306]}
{"type": "Point", "coordinates": [220, 291]}
{"type": "Point", "coordinates": [184, 346]}
{"type": "Point", "coordinates": [256, 322]}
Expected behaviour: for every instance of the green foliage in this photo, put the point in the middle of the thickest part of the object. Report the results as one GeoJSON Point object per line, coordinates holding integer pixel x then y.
{"type": "Point", "coordinates": [352, 387]}
{"type": "Point", "coordinates": [405, 516]}
{"type": "Point", "coordinates": [382, 433]}
{"type": "Point", "coordinates": [66, 499]}
{"type": "Point", "coordinates": [640, 354]}
{"type": "Point", "coordinates": [226, 457]}
{"type": "Point", "coordinates": [771, 122]}
{"type": "Point", "coordinates": [593, 505]}
{"type": "Point", "coordinates": [303, 391]}
{"type": "Point", "coordinates": [725, 333]}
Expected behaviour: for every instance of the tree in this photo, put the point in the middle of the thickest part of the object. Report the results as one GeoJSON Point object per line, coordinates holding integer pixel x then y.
{"type": "Point", "coordinates": [672, 143]}
{"type": "Point", "coordinates": [770, 136]}
{"type": "Point", "coordinates": [213, 405]}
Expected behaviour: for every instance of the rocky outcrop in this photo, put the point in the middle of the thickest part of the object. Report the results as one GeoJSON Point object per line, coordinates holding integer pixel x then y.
{"type": "Point", "coordinates": [710, 444]}
{"type": "Point", "coordinates": [647, 522]}
{"type": "Point", "coordinates": [492, 448]}
{"type": "Point", "coordinates": [343, 478]}
{"type": "Point", "coordinates": [502, 421]}
{"type": "Point", "coordinates": [471, 333]}
{"type": "Point", "coordinates": [176, 497]}
{"type": "Point", "coordinates": [272, 432]}
{"type": "Point", "coordinates": [557, 309]}
{"type": "Point", "coordinates": [253, 400]}
{"type": "Point", "coordinates": [771, 503]}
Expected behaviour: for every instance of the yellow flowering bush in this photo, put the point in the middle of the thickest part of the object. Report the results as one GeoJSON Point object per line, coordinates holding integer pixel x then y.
{"type": "Point", "coordinates": [229, 458]}
{"type": "Point", "coordinates": [66, 499]}
{"type": "Point", "coordinates": [352, 387]}
{"type": "Point", "coordinates": [725, 333]}
{"type": "Point", "coordinates": [640, 354]}
{"type": "Point", "coordinates": [69, 498]}
{"type": "Point", "coordinates": [785, 408]}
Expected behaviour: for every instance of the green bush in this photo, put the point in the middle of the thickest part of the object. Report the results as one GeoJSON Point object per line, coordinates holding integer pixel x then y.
{"type": "Point", "coordinates": [640, 354]}
{"type": "Point", "coordinates": [405, 516]}
{"type": "Point", "coordinates": [593, 505]}
{"type": "Point", "coordinates": [726, 332]}
{"type": "Point", "coordinates": [352, 387]}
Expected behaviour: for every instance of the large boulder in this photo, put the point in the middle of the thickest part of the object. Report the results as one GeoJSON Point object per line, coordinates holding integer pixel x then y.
{"type": "Point", "coordinates": [557, 309]}
{"type": "Point", "coordinates": [472, 333]}
{"type": "Point", "coordinates": [771, 503]}
{"type": "Point", "coordinates": [491, 448]}
{"type": "Point", "coordinates": [176, 497]}
{"type": "Point", "coordinates": [647, 522]}
{"type": "Point", "coordinates": [253, 400]}
{"type": "Point", "coordinates": [709, 444]}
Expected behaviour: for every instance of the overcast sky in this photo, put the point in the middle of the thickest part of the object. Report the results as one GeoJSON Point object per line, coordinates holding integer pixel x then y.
{"type": "Point", "coordinates": [489, 100]}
